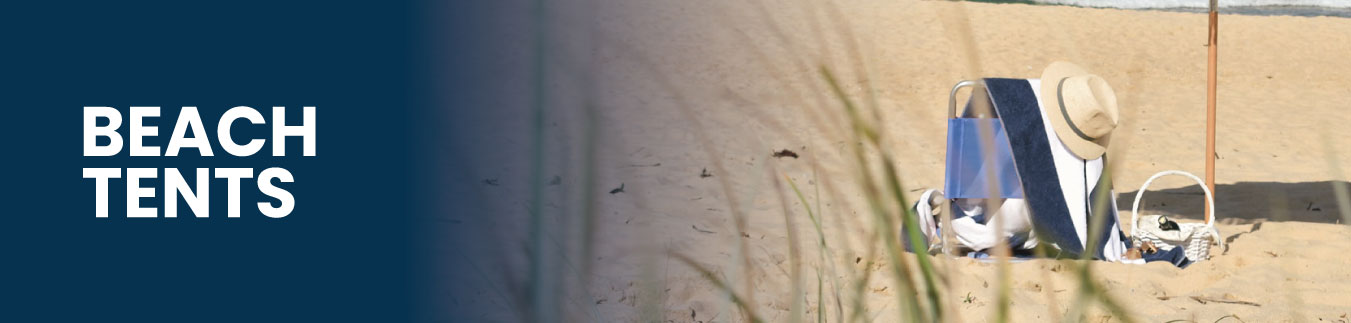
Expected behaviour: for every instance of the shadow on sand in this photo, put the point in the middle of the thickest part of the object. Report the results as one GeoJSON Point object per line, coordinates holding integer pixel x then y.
{"type": "Point", "coordinates": [1243, 202]}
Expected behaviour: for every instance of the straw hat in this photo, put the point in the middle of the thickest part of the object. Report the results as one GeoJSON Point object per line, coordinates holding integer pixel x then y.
{"type": "Point", "coordinates": [1081, 106]}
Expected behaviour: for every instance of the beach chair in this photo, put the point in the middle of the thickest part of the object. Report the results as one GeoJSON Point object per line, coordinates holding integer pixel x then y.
{"type": "Point", "coordinates": [977, 147]}
{"type": "Point", "coordinates": [1009, 150]}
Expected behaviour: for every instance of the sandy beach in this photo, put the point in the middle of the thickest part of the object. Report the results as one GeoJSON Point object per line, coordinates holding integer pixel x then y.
{"type": "Point", "coordinates": [696, 95]}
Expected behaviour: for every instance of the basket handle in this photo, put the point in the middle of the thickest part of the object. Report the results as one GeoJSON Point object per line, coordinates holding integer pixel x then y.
{"type": "Point", "coordinates": [1210, 199]}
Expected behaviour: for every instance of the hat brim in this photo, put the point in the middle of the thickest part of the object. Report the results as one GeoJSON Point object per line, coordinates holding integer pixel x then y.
{"type": "Point", "coordinates": [1050, 79]}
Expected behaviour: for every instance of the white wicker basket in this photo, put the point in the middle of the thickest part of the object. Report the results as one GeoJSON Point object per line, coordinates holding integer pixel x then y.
{"type": "Point", "coordinates": [1198, 244]}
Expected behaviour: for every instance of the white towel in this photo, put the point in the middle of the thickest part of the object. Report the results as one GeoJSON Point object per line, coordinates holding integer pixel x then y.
{"type": "Point", "coordinates": [1078, 188]}
{"type": "Point", "coordinates": [976, 236]}
{"type": "Point", "coordinates": [924, 210]}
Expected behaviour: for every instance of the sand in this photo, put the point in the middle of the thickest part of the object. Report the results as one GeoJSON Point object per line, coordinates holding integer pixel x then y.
{"type": "Point", "coordinates": [686, 88]}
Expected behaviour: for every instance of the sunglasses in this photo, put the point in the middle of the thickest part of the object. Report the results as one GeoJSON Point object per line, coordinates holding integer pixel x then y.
{"type": "Point", "coordinates": [1167, 225]}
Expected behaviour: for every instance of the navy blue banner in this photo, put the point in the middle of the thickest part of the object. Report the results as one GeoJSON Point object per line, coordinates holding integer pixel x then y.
{"type": "Point", "coordinates": [344, 252]}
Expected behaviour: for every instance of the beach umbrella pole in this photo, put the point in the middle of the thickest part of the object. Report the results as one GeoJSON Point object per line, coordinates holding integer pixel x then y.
{"type": "Point", "coordinates": [1210, 100]}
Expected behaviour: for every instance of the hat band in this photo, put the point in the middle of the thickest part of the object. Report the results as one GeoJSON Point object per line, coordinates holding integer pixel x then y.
{"type": "Point", "coordinates": [1059, 96]}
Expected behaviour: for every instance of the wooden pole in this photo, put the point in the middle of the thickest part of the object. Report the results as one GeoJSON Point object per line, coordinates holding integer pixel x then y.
{"type": "Point", "coordinates": [1210, 100]}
